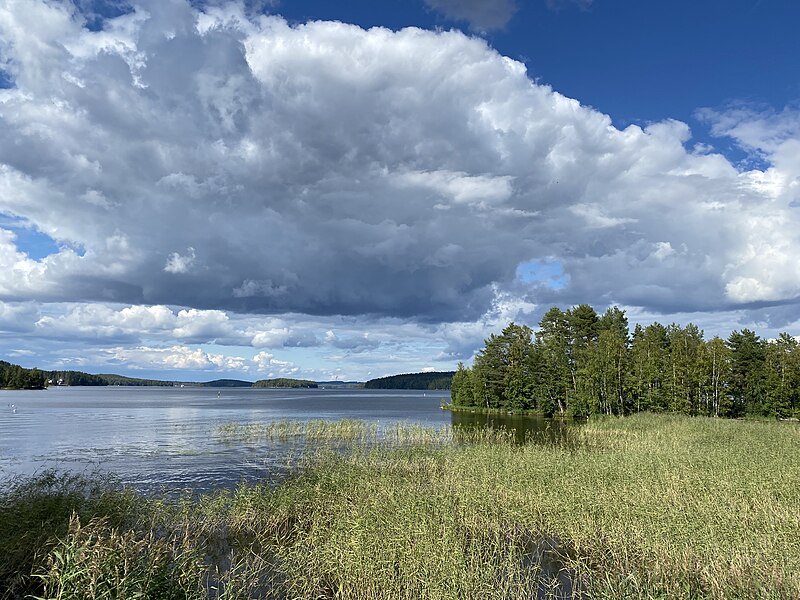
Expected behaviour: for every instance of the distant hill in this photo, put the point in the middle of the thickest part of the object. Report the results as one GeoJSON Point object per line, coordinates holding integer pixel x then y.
{"type": "Point", "coordinates": [133, 381]}
{"type": "Point", "coordinates": [284, 383]}
{"type": "Point", "coordinates": [110, 379]}
{"type": "Point", "coordinates": [225, 383]}
{"type": "Point", "coordinates": [343, 385]}
{"type": "Point", "coordinates": [435, 380]}
{"type": "Point", "coordinates": [16, 377]}
{"type": "Point", "coordinates": [74, 378]}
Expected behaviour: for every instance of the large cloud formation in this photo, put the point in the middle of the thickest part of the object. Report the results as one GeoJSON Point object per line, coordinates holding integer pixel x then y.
{"type": "Point", "coordinates": [228, 162]}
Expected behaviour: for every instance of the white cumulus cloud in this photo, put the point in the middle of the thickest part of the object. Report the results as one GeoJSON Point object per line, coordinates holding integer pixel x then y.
{"type": "Point", "coordinates": [250, 166]}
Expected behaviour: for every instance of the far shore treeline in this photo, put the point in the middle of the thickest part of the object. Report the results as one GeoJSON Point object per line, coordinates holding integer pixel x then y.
{"type": "Point", "coordinates": [16, 377]}
{"type": "Point", "coordinates": [283, 382]}
{"type": "Point", "coordinates": [580, 363]}
{"type": "Point", "coordinates": [434, 380]}
{"type": "Point", "coordinates": [20, 378]}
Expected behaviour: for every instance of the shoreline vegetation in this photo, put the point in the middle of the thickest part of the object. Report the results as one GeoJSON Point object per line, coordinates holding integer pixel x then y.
{"type": "Point", "coordinates": [16, 377]}
{"type": "Point", "coordinates": [283, 382]}
{"type": "Point", "coordinates": [649, 506]}
{"type": "Point", "coordinates": [579, 363]}
{"type": "Point", "coordinates": [433, 380]}
{"type": "Point", "coordinates": [480, 410]}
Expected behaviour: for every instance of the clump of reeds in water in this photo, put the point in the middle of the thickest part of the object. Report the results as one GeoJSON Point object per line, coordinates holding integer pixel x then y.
{"type": "Point", "coordinates": [358, 432]}
{"type": "Point", "coordinates": [317, 430]}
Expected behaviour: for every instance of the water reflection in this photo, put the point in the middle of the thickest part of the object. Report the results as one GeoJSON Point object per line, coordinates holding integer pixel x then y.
{"type": "Point", "coordinates": [533, 428]}
{"type": "Point", "coordinates": [155, 437]}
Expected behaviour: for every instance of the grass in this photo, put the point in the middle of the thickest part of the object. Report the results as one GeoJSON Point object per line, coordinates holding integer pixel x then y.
{"type": "Point", "coordinates": [354, 432]}
{"type": "Point", "coordinates": [642, 507]}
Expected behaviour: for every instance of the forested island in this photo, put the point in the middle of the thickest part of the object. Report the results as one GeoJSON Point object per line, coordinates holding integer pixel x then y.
{"type": "Point", "coordinates": [580, 363]}
{"type": "Point", "coordinates": [283, 382]}
{"type": "Point", "coordinates": [435, 380]}
{"type": "Point", "coordinates": [227, 383]}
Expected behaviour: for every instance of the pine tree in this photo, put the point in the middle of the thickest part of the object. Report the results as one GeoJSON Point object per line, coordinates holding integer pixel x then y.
{"type": "Point", "coordinates": [748, 372]}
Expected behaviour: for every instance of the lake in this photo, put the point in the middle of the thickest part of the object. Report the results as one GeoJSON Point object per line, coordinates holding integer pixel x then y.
{"type": "Point", "coordinates": [153, 437]}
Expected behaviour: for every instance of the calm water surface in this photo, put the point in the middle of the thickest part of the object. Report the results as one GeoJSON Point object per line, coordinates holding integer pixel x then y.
{"type": "Point", "coordinates": [155, 437]}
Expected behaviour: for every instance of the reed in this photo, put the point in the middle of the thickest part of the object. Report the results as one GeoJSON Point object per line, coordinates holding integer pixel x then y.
{"type": "Point", "coordinates": [356, 432]}
{"type": "Point", "coordinates": [316, 430]}
{"type": "Point", "coordinates": [649, 506]}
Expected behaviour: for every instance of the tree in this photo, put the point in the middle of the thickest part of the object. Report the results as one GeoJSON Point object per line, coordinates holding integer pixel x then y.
{"type": "Point", "coordinates": [611, 359]}
{"type": "Point", "coordinates": [747, 373]}
{"type": "Point", "coordinates": [718, 368]}
{"type": "Point", "coordinates": [550, 366]}
{"type": "Point", "coordinates": [461, 389]}
{"type": "Point", "coordinates": [782, 376]}
{"type": "Point", "coordinates": [649, 365]}
{"type": "Point", "coordinates": [582, 320]}
{"type": "Point", "coordinates": [686, 348]}
{"type": "Point", "coordinates": [517, 381]}
{"type": "Point", "coordinates": [500, 371]}
{"type": "Point", "coordinates": [579, 363]}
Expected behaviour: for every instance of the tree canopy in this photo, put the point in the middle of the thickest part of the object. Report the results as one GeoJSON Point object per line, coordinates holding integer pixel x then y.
{"type": "Point", "coordinates": [581, 363]}
{"type": "Point", "coordinates": [434, 380]}
{"type": "Point", "coordinates": [283, 382]}
{"type": "Point", "coordinates": [19, 378]}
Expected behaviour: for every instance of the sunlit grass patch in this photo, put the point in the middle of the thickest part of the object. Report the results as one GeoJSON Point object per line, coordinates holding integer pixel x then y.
{"type": "Point", "coordinates": [642, 507]}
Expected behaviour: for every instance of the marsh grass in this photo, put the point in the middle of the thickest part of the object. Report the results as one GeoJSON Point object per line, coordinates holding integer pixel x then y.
{"type": "Point", "coordinates": [643, 507]}
{"type": "Point", "coordinates": [359, 433]}
{"type": "Point", "coordinates": [318, 430]}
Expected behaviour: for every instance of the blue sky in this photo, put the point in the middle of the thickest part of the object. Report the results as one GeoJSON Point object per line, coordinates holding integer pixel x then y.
{"type": "Point", "coordinates": [636, 61]}
{"type": "Point", "coordinates": [206, 189]}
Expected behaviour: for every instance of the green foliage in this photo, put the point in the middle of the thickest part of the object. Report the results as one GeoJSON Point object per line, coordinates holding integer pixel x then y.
{"type": "Point", "coordinates": [283, 382]}
{"type": "Point", "coordinates": [35, 513]}
{"type": "Point", "coordinates": [226, 383]}
{"type": "Point", "coordinates": [551, 367]}
{"type": "Point", "coordinates": [462, 390]}
{"type": "Point", "coordinates": [501, 373]}
{"type": "Point", "coordinates": [652, 506]}
{"type": "Point", "coordinates": [582, 364]}
{"type": "Point", "coordinates": [76, 378]}
{"type": "Point", "coordinates": [782, 380]}
{"type": "Point", "coordinates": [110, 379]}
{"type": "Point", "coordinates": [18, 378]}
{"type": "Point", "coordinates": [747, 383]}
{"type": "Point", "coordinates": [434, 380]}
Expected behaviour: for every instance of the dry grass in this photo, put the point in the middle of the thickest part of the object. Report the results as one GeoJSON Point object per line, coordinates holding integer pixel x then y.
{"type": "Point", "coordinates": [642, 507]}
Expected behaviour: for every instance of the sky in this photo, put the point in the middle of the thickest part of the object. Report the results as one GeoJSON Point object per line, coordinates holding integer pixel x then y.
{"type": "Point", "coordinates": [193, 190]}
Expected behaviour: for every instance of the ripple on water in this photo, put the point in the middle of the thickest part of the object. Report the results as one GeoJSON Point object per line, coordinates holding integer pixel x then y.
{"type": "Point", "coordinates": [155, 437]}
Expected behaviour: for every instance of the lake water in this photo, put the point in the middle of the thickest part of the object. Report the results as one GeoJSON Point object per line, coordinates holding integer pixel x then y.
{"type": "Point", "coordinates": [153, 437]}
{"type": "Point", "coordinates": [167, 437]}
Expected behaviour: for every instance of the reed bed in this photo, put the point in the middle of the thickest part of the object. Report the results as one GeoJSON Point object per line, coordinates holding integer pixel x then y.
{"type": "Point", "coordinates": [649, 506]}
{"type": "Point", "coordinates": [356, 432]}
{"type": "Point", "coordinates": [317, 430]}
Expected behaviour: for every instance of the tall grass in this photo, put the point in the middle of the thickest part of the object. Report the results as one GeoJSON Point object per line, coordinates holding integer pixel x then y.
{"type": "Point", "coordinates": [356, 432]}
{"type": "Point", "coordinates": [643, 507]}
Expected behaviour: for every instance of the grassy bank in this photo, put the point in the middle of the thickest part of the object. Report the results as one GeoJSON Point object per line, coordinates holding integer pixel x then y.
{"type": "Point", "coordinates": [647, 506]}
